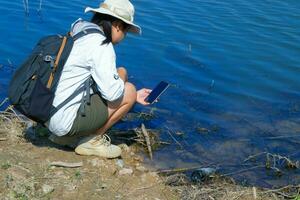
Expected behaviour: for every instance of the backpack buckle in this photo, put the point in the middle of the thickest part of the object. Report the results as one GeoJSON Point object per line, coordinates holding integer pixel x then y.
{"type": "Point", "coordinates": [50, 59]}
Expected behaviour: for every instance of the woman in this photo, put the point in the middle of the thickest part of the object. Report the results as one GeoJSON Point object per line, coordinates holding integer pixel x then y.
{"type": "Point", "coordinates": [113, 96]}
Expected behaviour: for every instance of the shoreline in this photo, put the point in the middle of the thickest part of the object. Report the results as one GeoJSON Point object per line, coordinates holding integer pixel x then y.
{"type": "Point", "coordinates": [30, 168]}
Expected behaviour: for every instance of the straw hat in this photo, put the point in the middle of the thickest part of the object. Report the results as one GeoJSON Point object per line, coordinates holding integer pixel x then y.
{"type": "Point", "coordinates": [121, 9]}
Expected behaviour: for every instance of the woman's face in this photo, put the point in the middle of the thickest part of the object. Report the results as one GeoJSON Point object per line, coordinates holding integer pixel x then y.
{"type": "Point", "coordinates": [118, 31]}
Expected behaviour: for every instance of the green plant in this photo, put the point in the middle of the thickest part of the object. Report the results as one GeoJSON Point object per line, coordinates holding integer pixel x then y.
{"type": "Point", "coordinates": [78, 174]}
{"type": "Point", "coordinates": [20, 196]}
{"type": "Point", "coordinates": [297, 197]}
{"type": "Point", "coordinates": [5, 165]}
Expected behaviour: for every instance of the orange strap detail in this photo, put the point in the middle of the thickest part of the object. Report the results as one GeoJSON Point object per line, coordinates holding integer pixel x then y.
{"type": "Point", "coordinates": [50, 80]}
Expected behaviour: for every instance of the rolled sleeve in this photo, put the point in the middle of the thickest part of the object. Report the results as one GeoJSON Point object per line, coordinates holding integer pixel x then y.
{"type": "Point", "coordinates": [104, 72]}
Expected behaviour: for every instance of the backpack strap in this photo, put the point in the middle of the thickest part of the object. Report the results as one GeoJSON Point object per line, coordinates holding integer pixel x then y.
{"type": "Point", "coordinates": [63, 44]}
{"type": "Point", "coordinates": [80, 89]}
{"type": "Point", "coordinates": [86, 32]}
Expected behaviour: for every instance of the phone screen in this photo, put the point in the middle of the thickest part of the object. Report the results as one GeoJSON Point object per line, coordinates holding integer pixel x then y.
{"type": "Point", "coordinates": [157, 91]}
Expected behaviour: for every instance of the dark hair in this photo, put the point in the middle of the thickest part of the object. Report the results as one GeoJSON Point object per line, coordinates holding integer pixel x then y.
{"type": "Point", "coordinates": [105, 21]}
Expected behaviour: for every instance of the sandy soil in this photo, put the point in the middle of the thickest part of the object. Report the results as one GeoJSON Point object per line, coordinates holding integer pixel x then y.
{"type": "Point", "coordinates": [26, 173]}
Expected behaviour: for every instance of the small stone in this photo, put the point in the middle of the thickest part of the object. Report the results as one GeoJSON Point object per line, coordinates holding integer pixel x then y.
{"type": "Point", "coordinates": [96, 162]}
{"type": "Point", "coordinates": [144, 178]}
{"type": "Point", "coordinates": [70, 187]}
{"type": "Point", "coordinates": [47, 189]}
{"type": "Point", "coordinates": [120, 163]}
{"type": "Point", "coordinates": [138, 158]}
{"type": "Point", "coordinates": [103, 186]}
{"type": "Point", "coordinates": [153, 174]}
{"type": "Point", "coordinates": [141, 169]}
{"type": "Point", "coordinates": [125, 171]}
{"type": "Point", "coordinates": [124, 147]}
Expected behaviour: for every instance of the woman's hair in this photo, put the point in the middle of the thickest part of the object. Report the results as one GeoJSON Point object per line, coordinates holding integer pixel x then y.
{"type": "Point", "coordinates": [105, 21]}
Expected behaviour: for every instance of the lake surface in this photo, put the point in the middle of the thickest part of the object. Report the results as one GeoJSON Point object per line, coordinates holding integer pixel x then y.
{"type": "Point", "coordinates": [233, 66]}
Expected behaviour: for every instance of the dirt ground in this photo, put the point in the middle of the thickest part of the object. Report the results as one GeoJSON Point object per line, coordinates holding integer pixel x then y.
{"type": "Point", "coordinates": [28, 171]}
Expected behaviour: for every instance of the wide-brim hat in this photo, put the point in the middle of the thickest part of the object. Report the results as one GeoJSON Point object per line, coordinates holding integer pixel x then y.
{"type": "Point", "coordinates": [120, 9]}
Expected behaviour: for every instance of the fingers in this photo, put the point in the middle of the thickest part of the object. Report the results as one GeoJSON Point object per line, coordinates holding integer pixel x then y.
{"type": "Point", "coordinates": [147, 90]}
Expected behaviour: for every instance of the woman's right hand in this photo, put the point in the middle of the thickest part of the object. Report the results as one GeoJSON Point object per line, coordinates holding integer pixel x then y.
{"type": "Point", "coordinates": [141, 96]}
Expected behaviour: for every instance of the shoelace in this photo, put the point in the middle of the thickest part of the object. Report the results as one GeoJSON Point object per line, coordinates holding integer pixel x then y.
{"type": "Point", "coordinates": [102, 139]}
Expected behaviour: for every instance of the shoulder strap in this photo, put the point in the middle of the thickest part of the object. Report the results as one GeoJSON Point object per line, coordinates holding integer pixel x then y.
{"type": "Point", "coordinates": [86, 32]}
{"type": "Point", "coordinates": [62, 46]}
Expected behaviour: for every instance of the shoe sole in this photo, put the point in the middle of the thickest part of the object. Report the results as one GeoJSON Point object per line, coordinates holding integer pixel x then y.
{"type": "Point", "coordinates": [90, 152]}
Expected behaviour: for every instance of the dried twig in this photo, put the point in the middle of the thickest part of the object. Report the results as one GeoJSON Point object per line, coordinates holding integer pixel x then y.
{"type": "Point", "coordinates": [279, 191]}
{"type": "Point", "coordinates": [4, 101]}
{"type": "Point", "coordinates": [65, 164]}
{"type": "Point", "coordinates": [147, 139]}
{"type": "Point", "coordinates": [169, 132]}
{"type": "Point", "coordinates": [176, 170]}
{"type": "Point", "coordinates": [3, 139]}
{"type": "Point", "coordinates": [254, 156]}
{"type": "Point", "coordinates": [254, 192]}
{"type": "Point", "coordinates": [243, 170]}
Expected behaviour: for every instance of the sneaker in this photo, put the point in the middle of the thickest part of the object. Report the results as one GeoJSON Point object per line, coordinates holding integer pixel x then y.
{"type": "Point", "coordinates": [64, 140]}
{"type": "Point", "coordinates": [98, 146]}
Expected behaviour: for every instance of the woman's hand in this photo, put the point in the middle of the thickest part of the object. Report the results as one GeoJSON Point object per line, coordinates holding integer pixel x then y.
{"type": "Point", "coordinates": [141, 95]}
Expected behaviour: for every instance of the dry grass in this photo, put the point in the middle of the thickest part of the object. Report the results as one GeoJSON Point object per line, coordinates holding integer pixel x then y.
{"type": "Point", "coordinates": [224, 188]}
{"type": "Point", "coordinates": [12, 125]}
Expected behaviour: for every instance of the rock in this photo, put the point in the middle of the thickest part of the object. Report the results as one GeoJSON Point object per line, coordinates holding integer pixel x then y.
{"type": "Point", "coordinates": [96, 162]}
{"type": "Point", "coordinates": [47, 189]}
{"type": "Point", "coordinates": [138, 158]}
{"type": "Point", "coordinates": [144, 178]}
{"type": "Point", "coordinates": [154, 175]}
{"type": "Point", "coordinates": [103, 186]}
{"type": "Point", "coordinates": [70, 187]}
{"type": "Point", "coordinates": [124, 147]}
{"type": "Point", "coordinates": [125, 171]}
{"type": "Point", "coordinates": [120, 163]}
{"type": "Point", "coordinates": [141, 168]}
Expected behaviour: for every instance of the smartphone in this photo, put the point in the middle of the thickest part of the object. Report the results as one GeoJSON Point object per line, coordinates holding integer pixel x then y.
{"type": "Point", "coordinates": [157, 91]}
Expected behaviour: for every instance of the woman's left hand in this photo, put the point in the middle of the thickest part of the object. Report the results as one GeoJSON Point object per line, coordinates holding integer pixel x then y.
{"type": "Point", "coordinates": [141, 95]}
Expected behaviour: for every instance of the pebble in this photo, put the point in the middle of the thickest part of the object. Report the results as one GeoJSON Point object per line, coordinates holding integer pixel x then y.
{"type": "Point", "coordinates": [71, 187]}
{"type": "Point", "coordinates": [141, 169]}
{"type": "Point", "coordinates": [124, 147]}
{"type": "Point", "coordinates": [96, 162]}
{"type": "Point", "coordinates": [120, 163]}
{"type": "Point", "coordinates": [154, 174]}
{"type": "Point", "coordinates": [47, 189]}
{"type": "Point", "coordinates": [125, 171]}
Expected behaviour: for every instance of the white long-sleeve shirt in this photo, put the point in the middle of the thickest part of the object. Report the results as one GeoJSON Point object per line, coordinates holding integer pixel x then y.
{"type": "Point", "coordinates": [88, 58]}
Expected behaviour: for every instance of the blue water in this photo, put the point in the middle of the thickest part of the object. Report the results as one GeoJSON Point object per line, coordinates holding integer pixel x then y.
{"type": "Point", "coordinates": [233, 66]}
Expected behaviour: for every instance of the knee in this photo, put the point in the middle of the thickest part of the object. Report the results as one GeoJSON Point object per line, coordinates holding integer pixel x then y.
{"type": "Point", "coordinates": [123, 72]}
{"type": "Point", "coordinates": [122, 69]}
{"type": "Point", "coordinates": [130, 93]}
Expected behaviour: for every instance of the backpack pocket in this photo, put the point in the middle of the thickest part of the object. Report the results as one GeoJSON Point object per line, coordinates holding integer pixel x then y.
{"type": "Point", "coordinates": [40, 102]}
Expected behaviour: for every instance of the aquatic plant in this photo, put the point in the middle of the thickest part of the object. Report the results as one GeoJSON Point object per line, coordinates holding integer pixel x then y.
{"type": "Point", "coordinates": [26, 7]}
